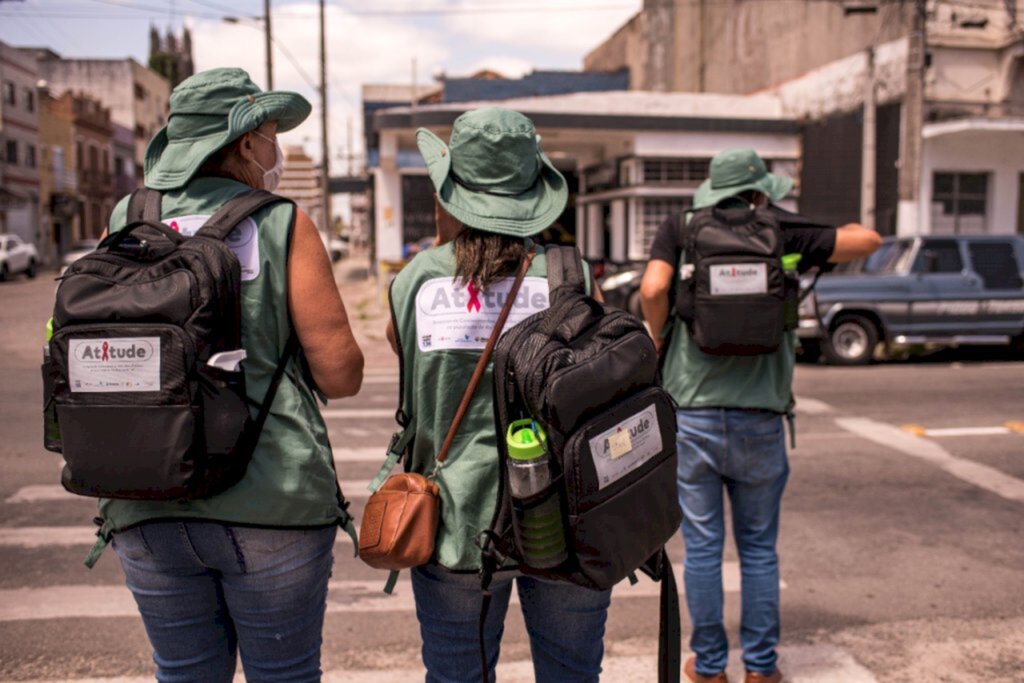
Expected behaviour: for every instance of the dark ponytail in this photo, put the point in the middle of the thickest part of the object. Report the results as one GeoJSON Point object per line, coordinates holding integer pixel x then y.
{"type": "Point", "coordinates": [483, 257]}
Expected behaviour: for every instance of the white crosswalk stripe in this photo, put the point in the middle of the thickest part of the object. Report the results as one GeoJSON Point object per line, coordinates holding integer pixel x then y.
{"type": "Point", "coordinates": [42, 493]}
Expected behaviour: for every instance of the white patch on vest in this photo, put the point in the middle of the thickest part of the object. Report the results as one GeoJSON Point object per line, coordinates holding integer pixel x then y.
{"type": "Point", "coordinates": [243, 240]}
{"type": "Point", "coordinates": [450, 315]}
{"type": "Point", "coordinates": [626, 446]}
{"type": "Point", "coordinates": [739, 278]}
{"type": "Point", "coordinates": [114, 364]}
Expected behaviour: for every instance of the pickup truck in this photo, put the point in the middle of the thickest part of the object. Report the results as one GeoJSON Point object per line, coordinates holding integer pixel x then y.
{"type": "Point", "coordinates": [921, 290]}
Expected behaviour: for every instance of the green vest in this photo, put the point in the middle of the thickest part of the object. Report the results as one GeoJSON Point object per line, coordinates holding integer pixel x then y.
{"type": "Point", "coordinates": [290, 481]}
{"type": "Point", "coordinates": [440, 336]}
{"type": "Point", "coordinates": [699, 380]}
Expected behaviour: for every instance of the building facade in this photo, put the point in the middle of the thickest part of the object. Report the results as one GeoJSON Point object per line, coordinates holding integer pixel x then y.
{"type": "Point", "coordinates": [19, 145]}
{"type": "Point", "coordinates": [300, 182]}
{"type": "Point", "coordinates": [137, 96]}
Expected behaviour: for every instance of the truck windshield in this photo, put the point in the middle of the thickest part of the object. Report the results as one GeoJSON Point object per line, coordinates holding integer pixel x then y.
{"type": "Point", "coordinates": [887, 259]}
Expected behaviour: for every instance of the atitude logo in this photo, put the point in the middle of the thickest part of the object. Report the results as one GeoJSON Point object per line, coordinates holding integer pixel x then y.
{"type": "Point", "coordinates": [106, 350]}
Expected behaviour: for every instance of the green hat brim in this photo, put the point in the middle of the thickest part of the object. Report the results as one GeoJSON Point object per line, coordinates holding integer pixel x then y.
{"type": "Point", "coordinates": [772, 186]}
{"type": "Point", "coordinates": [171, 164]}
{"type": "Point", "coordinates": [521, 215]}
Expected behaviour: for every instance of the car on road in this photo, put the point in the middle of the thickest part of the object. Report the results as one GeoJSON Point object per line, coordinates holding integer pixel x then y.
{"type": "Point", "coordinates": [942, 290]}
{"type": "Point", "coordinates": [17, 256]}
{"type": "Point", "coordinates": [620, 285]}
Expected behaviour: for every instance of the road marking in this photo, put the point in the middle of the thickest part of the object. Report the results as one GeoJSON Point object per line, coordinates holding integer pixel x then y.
{"type": "Point", "coordinates": [1015, 426]}
{"type": "Point", "coordinates": [52, 536]}
{"type": "Point", "coordinates": [80, 601]}
{"type": "Point", "coordinates": [391, 378]}
{"type": "Point", "coordinates": [375, 454]}
{"type": "Point", "coordinates": [357, 432]}
{"type": "Point", "coordinates": [811, 406]}
{"type": "Point", "coordinates": [353, 488]}
{"type": "Point", "coordinates": [358, 413]}
{"type": "Point", "coordinates": [918, 430]}
{"type": "Point", "coordinates": [974, 473]}
{"type": "Point", "coordinates": [803, 663]}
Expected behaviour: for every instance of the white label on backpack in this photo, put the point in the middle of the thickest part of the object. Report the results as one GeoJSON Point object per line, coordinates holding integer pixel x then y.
{"type": "Point", "coordinates": [626, 446]}
{"type": "Point", "coordinates": [450, 315]}
{"type": "Point", "coordinates": [114, 364]}
{"type": "Point", "coordinates": [243, 240]}
{"type": "Point", "coordinates": [738, 278]}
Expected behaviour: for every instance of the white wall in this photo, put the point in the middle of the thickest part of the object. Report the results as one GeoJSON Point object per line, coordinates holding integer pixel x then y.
{"type": "Point", "coordinates": [999, 153]}
{"type": "Point", "coordinates": [697, 144]}
{"type": "Point", "coordinates": [388, 200]}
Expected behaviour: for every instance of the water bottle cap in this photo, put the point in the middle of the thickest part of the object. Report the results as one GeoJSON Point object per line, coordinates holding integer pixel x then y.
{"type": "Point", "coordinates": [525, 440]}
{"type": "Point", "coordinates": [49, 329]}
{"type": "Point", "coordinates": [791, 261]}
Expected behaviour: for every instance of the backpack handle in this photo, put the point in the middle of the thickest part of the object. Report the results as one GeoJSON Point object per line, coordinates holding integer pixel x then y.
{"type": "Point", "coordinates": [116, 241]}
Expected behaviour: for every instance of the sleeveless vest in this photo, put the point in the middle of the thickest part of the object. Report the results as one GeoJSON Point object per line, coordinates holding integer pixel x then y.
{"type": "Point", "coordinates": [290, 481]}
{"type": "Point", "coordinates": [442, 327]}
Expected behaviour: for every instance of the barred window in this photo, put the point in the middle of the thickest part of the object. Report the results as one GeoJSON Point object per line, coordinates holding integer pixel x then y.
{"type": "Point", "coordinates": [959, 203]}
{"type": "Point", "coordinates": [675, 170]}
{"type": "Point", "coordinates": [653, 213]}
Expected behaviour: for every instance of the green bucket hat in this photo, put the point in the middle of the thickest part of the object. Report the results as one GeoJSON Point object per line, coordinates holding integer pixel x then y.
{"type": "Point", "coordinates": [492, 175]}
{"type": "Point", "coordinates": [208, 111]}
{"type": "Point", "coordinates": [739, 170]}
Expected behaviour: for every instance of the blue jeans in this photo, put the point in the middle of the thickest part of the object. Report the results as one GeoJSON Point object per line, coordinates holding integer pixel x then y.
{"type": "Point", "coordinates": [207, 590]}
{"type": "Point", "coordinates": [742, 452]}
{"type": "Point", "coordinates": [565, 624]}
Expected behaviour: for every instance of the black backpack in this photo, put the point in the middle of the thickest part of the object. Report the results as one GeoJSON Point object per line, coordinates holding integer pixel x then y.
{"type": "Point", "coordinates": [584, 372]}
{"type": "Point", "coordinates": [131, 401]}
{"type": "Point", "coordinates": [732, 290]}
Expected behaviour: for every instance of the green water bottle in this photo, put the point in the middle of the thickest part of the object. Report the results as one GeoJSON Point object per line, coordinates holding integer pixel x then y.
{"type": "Point", "coordinates": [51, 430]}
{"type": "Point", "coordinates": [791, 291]}
{"type": "Point", "coordinates": [537, 504]}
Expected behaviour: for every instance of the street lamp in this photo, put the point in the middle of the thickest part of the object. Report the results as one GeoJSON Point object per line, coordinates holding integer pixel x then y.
{"type": "Point", "coordinates": [267, 35]}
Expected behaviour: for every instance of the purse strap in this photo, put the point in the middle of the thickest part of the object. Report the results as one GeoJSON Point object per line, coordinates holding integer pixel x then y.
{"type": "Point", "coordinates": [481, 364]}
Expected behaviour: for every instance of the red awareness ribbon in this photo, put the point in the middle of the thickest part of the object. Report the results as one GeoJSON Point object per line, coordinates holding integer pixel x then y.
{"type": "Point", "coordinates": [106, 351]}
{"type": "Point", "coordinates": [474, 298]}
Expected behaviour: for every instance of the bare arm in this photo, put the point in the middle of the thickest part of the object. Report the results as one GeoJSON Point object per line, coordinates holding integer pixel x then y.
{"type": "Point", "coordinates": [319, 314]}
{"type": "Point", "coordinates": [654, 301]}
{"type": "Point", "coordinates": [389, 332]}
{"type": "Point", "coordinates": [854, 241]}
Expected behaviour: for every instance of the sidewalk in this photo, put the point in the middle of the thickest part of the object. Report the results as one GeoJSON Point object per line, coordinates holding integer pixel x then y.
{"type": "Point", "coordinates": [367, 312]}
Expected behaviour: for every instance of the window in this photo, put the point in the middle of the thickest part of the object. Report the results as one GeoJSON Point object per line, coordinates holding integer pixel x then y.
{"type": "Point", "coordinates": [140, 92]}
{"type": "Point", "coordinates": [30, 156]}
{"type": "Point", "coordinates": [939, 256]}
{"type": "Point", "coordinates": [79, 161]}
{"type": "Point", "coordinates": [106, 161]}
{"type": "Point", "coordinates": [9, 94]}
{"type": "Point", "coordinates": [94, 158]}
{"type": "Point", "coordinates": [675, 170]}
{"type": "Point", "coordinates": [140, 132]}
{"type": "Point", "coordinates": [30, 99]}
{"type": "Point", "coordinates": [653, 213]}
{"type": "Point", "coordinates": [887, 259]}
{"type": "Point", "coordinates": [959, 203]}
{"type": "Point", "coordinates": [12, 152]}
{"type": "Point", "coordinates": [996, 263]}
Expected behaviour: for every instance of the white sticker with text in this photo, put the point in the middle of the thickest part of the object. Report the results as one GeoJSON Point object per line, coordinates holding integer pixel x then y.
{"type": "Point", "coordinates": [626, 446]}
{"type": "Point", "coordinates": [451, 315]}
{"type": "Point", "coordinates": [739, 278]}
{"type": "Point", "coordinates": [243, 240]}
{"type": "Point", "coordinates": [114, 364]}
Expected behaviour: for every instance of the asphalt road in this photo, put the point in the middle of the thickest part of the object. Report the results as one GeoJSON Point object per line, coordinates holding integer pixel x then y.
{"type": "Point", "coordinates": [901, 536]}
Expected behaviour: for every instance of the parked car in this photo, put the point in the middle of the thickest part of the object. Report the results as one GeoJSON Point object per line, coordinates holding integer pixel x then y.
{"type": "Point", "coordinates": [921, 290]}
{"type": "Point", "coordinates": [620, 285]}
{"type": "Point", "coordinates": [17, 256]}
{"type": "Point", "coordinates": [337, 247]}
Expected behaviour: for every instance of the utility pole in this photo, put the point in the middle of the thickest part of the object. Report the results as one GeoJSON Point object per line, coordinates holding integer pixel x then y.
{"type": "Point", "coordinates": [867, 168]}
{"type": "Point", "coordinates": [325, 160]}
{"type": "Point", "coordinates": [266, 33]}
{"type": "Point", "coordinates": [913, 115]}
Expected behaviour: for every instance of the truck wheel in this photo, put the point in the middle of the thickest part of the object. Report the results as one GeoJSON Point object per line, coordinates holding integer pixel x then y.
{"type": "Point", "coordinates": [851, 341]}
{"type": "Point", "coordinates": [31, 270]}
{"type": "Point", "coordinates": [810, 351]}
{"type": "Point", "coordinates": [4, 272]}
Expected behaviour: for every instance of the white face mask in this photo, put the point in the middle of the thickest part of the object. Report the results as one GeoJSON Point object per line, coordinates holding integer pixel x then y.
{"type": "Point", "coordinates": [272, 175]}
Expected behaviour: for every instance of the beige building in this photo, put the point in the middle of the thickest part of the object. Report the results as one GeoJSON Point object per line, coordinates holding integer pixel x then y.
{"type": "Point", "coordinates": [19, 145]}
{"type": "Point", "coordinates": [300, 182]}
{"type": "Point", "coordinates": [137, 96]}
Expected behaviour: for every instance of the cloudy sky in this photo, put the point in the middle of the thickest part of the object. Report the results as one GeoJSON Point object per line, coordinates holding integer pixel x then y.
{"type": "Point", "coordinates": [368, 41]}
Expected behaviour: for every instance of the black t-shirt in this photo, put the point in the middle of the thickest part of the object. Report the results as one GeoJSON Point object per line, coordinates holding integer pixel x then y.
{"type": "Point", "coordinates": [816, 244]}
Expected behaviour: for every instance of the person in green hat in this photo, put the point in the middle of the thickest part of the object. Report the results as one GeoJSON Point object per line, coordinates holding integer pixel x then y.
{"type": "Point", "coordinates": [729, 428]}
{"type": "Point", "coordinates": [495, 189]}
{"type": "Point", "coordinates": [246, 569]}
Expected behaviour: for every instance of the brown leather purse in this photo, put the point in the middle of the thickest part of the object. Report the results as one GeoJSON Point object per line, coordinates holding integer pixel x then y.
{"type": "Point", "coordinates": [400, 519]}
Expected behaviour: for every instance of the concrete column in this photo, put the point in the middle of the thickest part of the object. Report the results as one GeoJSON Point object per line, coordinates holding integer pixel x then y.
{"type": "Point", "coordinates": [867, 176]}
{"type": "Point", "coordinates": [595, 232]}
{"type": "Point", "coordinates": [388, 200]}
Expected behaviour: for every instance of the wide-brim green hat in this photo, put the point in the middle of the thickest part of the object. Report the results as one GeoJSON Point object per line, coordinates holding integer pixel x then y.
{"type": "Point", "coordinates": [736, 171]}
{"type": "Point", "coordinates": [208, 111]}
{"type": "Point", "coordinates": [492, 175]}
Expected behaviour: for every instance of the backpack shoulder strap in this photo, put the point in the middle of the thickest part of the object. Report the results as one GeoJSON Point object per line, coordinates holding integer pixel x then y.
{"type": "Point", "coordinates": [565, 268]}
{"type": "Point", "coordinates": [144, 205]}
{"type": "Point", "coordinates": [220, 224]}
